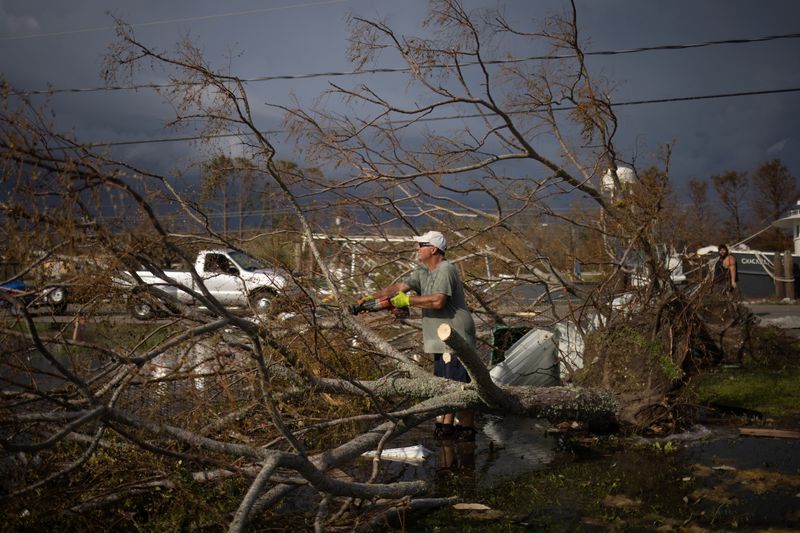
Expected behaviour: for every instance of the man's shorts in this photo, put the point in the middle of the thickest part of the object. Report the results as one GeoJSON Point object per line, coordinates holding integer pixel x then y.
{"type": "Point", "coordinates": [453, 369]}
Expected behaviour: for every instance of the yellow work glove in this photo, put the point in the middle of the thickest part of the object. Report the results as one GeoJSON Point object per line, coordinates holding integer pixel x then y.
{"type": "Point", "coordinates": [400, 300]}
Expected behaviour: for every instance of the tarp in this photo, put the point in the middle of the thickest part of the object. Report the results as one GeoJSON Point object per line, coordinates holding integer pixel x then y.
{"type": "Point", "coordinates": [532, 361]}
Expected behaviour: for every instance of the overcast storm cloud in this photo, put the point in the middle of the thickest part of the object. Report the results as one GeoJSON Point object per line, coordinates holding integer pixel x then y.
{"type": "Point", "coordinates": [61, 46]}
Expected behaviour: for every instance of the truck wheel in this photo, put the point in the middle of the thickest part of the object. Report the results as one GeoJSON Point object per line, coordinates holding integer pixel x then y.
{"type": "Point", "coordinates": [261, 302]}
{"type": "Point", "coordinates": [142, 311]}
{"type": "Point", "coordinates": [57, 298]}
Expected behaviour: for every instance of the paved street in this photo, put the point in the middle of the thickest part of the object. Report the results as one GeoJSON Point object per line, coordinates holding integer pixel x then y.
{"type": "Point", "coordinates": [775, 310]}
{"type": "Point", "coordinates": [784, 316]}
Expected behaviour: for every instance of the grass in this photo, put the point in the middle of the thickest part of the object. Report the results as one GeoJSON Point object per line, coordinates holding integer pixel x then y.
{"type": "Point", "coordinates": [773, 392]}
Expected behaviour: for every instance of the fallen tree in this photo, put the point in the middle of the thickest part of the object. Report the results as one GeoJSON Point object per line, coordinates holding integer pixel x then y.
{"type": "Point", "coordinates": [255, 408]}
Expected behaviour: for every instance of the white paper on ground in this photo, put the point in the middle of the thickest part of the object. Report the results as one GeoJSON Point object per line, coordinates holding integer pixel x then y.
{"type": "Point", "coordinates": [409, 454]}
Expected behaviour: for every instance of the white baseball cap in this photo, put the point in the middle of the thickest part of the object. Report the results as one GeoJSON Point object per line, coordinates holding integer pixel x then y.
{"type": "Point", "coordinates": [435, 238]}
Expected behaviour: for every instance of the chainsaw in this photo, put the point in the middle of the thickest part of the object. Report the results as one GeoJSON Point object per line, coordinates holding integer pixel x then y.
{"type": "Point", "coordinates": [379, 304]}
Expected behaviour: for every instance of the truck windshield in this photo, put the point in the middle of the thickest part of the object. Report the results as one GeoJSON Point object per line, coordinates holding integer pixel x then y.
{"type": "Point", "coordinates": [246, 262]}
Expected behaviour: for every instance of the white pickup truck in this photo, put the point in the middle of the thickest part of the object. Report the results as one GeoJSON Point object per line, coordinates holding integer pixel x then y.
{"type": "Point", "coordinates": [232, 277]}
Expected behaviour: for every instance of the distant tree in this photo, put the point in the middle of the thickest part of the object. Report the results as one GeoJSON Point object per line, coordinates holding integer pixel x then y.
{"type": "Point", "coordinates": [231, 179]}
{"type": "Point", "coordinates": [216, 182]}
{"type": "Point", "coordinates": [246, 177]}
{"type": "Point", "coordinates": [732, 188]}
{"type": "Point", "coordinates": [701, 214]}
{"type": "Point", "coordinates": [652, 194]}
{"type": "Point", "coordinates": [775, 190]}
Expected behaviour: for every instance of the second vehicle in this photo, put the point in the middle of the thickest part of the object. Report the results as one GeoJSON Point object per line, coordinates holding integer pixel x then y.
{"type": "Point", "coordinates": [234, 278]}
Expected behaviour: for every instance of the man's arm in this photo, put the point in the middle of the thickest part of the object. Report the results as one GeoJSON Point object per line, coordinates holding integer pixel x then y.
{"type": "Point", "coordinates": [391, 290]}
{"type": "Point", "coordinates": [429, 301]}
{"type": "Point", "coordinates": [732, 269]}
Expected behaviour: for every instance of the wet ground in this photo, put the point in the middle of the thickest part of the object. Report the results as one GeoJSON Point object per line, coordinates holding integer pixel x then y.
{"type": "Point", "coordinates": [517, 478]}
{"type": "Point", "coordinates": [503, 449]}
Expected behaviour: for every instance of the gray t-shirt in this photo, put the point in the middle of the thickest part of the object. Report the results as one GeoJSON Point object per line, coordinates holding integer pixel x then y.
{"type": "Point", "coordinates": [443, 280]}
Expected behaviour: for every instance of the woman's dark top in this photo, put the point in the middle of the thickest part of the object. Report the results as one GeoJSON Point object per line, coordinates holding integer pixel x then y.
{"type": "Point", "coordinates": [721, 274]}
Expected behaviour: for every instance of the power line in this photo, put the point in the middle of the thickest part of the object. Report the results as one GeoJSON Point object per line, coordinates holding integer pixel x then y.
{"type": "Point", "coordinates": [393, 70]}
{"type": "Point", "coordinates": [458, 117]}
{"type": "Point", "coordinates": [705, 97]}
{"type": "Point", "coordinates": [179, 139]}
{"type": "Point", "coordinates": [171, 21]}
{"type": "Point", "coordinates": [695, 45]}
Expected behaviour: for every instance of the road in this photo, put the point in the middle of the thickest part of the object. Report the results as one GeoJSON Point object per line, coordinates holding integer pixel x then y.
{"type": "Point", "coordinates": [775, 310]}
{"type": "Point", "coordinates": [784, 316]}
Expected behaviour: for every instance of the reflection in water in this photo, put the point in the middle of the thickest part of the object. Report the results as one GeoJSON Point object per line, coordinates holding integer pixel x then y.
{"type": "Point", "coordinates": [504, 448]}
{"type": "Point", "coordinates": [455, 456]}
{"type": "Point", "coordinates": [518, 445]}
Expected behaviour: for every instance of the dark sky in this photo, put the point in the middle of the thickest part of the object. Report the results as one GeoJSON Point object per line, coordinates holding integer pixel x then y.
{"type": "Point", "coordinates": [62, 44]}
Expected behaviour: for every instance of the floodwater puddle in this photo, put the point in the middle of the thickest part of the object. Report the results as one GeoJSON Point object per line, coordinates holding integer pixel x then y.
{"type": "Point", "coordinates": [504, 449]}
{"type": "Point", "coordinates": [533, 481]}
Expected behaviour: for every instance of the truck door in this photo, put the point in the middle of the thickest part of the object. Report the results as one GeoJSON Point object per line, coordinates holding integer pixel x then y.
{"type": "Point", "coordinates": [222, 279]}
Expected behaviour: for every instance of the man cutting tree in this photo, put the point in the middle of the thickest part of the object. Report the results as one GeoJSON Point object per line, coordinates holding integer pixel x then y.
{"type": "Point", "coordinates": [440, 295]}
